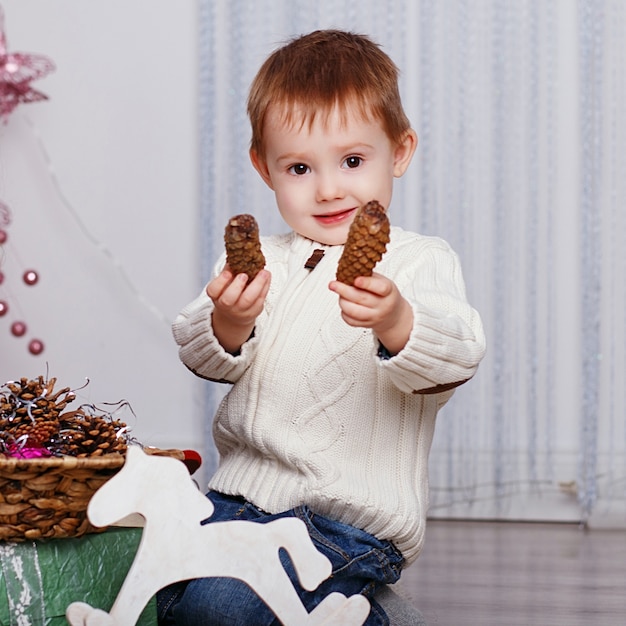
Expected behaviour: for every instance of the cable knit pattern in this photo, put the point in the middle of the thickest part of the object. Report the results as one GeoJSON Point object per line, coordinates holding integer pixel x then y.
{"type": "Point", "coordinates": [314, 415]}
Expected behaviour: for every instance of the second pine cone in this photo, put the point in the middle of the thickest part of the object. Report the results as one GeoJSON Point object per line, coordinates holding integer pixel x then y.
{"type": "Point", "coordinates": [367, 241]}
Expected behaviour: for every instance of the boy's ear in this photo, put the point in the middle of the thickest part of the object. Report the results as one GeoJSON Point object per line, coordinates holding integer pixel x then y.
{"type": "Point", "coordinates": [404, 153]}
{"type": "Point", "coordinates": [260, 165]}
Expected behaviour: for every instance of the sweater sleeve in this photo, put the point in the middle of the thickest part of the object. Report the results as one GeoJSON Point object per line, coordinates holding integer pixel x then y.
{"type": "Point", "coordinates": [200, 350]}
{"type": "Point", "coordinates": [447, 341]}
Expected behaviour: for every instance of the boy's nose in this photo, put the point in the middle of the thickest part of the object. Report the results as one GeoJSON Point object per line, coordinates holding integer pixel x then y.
{"type": "Point", "coordinates": [329, 187]}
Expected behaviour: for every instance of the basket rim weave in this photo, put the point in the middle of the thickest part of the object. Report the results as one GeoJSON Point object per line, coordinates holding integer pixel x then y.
{"type": "Point", "coordinates": [106, 461]}
{"type": "Point", "coordinates": [47, 498]}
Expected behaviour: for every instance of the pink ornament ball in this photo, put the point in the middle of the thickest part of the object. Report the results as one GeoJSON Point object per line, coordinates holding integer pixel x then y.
{"type": "Point", "coordinates": [30, 277]}
{"type": "Point", "coordinates": [18, 329]}
{"type": "Point", "coordinates": [35, 347]}
{"type": "Point", "coordinates": [4, 308]}
{"type": "Point", "coordinates": [3, 236]}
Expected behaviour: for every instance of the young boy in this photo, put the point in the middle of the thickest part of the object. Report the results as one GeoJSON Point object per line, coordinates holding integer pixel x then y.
{"type": "Point", "coordinates": [335, 387]}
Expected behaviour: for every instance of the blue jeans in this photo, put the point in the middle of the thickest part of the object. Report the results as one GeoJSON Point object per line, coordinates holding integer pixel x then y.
{"type": "Point", "coordinates": [360, 564]}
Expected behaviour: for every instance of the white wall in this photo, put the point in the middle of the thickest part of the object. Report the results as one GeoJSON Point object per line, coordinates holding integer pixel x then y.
{"type": "Point", "coordinates": [101, 180]}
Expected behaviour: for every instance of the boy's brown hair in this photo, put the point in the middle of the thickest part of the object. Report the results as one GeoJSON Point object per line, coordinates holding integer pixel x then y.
{"type": "Point", "coordinates": [314, 73]}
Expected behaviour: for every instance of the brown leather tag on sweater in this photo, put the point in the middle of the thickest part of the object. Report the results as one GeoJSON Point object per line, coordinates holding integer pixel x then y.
{"type": "Point", "coordinates": [314, 259]}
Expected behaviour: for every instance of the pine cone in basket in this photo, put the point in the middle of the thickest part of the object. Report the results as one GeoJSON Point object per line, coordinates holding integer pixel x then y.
{"type": "Point", "coordinates": [85, 435]}
{"type": "Point", "coordinates": [31, 416]}
{"type": "Point", "coordinates": [367, 241]}
{"type": "Point", "coordinates": [243, 247]}
{"type": "Point", "coordinates": [30, 409]}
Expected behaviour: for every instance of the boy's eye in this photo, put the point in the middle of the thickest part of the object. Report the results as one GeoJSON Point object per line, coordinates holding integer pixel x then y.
{"type": "Point", "coordinates": [353, 161]}
{"type": "Point", "coordinates": [298, 169]}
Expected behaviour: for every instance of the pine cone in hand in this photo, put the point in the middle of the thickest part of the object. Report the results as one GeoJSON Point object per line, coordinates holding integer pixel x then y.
{"type": "Point", "coordinates": [367, 241]}
{"type": "Point", "coordinates": [243, 247]}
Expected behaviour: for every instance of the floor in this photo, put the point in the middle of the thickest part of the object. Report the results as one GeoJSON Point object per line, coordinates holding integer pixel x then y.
{"type": "Point", "coordinates": [513, 574]}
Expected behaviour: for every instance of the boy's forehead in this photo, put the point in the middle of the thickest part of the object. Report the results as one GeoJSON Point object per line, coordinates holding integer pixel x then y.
{"type": "Point", "coordinates": [289, 116]}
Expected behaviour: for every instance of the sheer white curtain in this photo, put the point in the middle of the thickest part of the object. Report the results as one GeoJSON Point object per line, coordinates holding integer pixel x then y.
{"type": "Point", "coordinates": [520, 166]}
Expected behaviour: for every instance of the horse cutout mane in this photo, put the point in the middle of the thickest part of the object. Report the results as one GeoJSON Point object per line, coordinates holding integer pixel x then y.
{"type": "Point", "coordinates": [175, 546]}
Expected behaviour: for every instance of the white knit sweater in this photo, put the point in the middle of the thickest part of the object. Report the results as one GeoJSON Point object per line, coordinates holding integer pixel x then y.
{"type": "Point", "coordinates": [315, 416]}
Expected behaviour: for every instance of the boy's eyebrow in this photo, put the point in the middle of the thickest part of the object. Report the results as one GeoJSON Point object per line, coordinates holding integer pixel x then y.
{"type": "Point", "coordinates": [354, 147]}
{"type": "Point", "coordinates": [347, 149]}
{"type": "Point", "coordinates": [291, 156]}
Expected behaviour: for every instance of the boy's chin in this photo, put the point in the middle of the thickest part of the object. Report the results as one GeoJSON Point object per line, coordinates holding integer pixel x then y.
{"type": "Point", "coordinates": [329, 241]}
{"type": "Point", "coordinates": [327, 237]}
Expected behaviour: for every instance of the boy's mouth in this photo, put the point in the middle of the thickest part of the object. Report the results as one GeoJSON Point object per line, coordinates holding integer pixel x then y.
{"type": "Point", "coordinates": [335, 218]}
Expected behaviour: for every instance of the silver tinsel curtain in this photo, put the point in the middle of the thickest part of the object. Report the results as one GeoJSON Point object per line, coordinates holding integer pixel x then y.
{"type": "Point", "coordinates": [519, 108]}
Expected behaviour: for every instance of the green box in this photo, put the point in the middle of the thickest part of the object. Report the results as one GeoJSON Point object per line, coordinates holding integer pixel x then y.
{"type": "Point", "coordinates": [40, 579]}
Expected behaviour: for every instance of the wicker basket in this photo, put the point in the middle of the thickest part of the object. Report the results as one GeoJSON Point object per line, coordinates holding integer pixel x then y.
{"type": "Point", "coordinates": [47, 498]}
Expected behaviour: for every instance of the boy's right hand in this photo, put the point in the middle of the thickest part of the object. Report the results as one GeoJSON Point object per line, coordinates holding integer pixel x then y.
{"type": "Point", "coordinates": [237, 305]}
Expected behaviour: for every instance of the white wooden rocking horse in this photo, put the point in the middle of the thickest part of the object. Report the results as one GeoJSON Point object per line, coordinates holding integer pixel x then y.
{"type": "Point", "coordinates": [174, 546]}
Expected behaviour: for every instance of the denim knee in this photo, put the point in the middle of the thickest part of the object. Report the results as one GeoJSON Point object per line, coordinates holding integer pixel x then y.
{"type": "Point", "coordinates": [221, 602]}
{"type": "Point", "coordinates": [361, 563]}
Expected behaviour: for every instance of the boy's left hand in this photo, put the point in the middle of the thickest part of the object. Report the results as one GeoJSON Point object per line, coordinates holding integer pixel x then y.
{"type": "Point", "coordinates": [375, 302]}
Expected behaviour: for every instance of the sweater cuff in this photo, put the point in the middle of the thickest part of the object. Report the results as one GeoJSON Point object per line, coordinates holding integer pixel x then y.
{"type": "Point", "coordinates": [442, 352]}
{"type": "Point", "coordinates": [200, 350]}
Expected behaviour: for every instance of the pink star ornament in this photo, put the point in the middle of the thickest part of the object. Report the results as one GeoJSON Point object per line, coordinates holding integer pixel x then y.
{"type": "Point", "coordinates": [17, 70]}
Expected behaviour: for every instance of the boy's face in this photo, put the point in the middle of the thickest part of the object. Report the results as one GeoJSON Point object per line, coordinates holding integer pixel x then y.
{"type": "Point", "coordinates": [321, 174]}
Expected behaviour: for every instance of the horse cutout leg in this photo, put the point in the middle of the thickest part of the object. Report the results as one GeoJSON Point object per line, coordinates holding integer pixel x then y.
{"type": "Point", "coordinates": [85, 615]}
{"type": "Point", "coordinates": [174, 546]}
